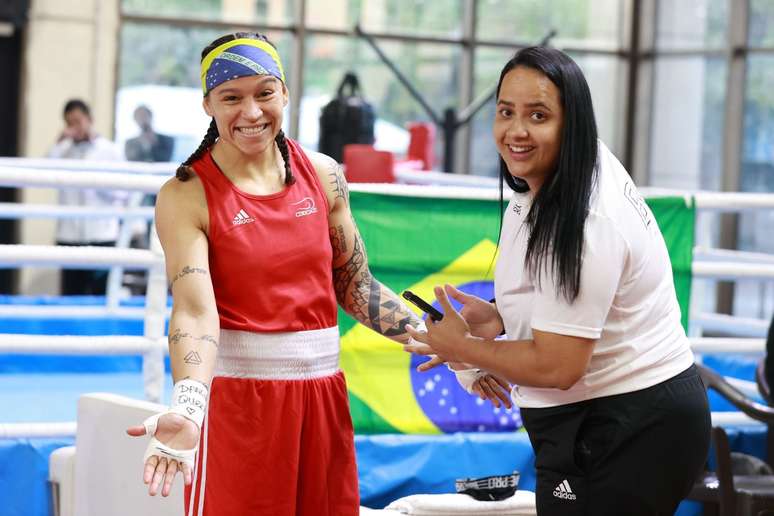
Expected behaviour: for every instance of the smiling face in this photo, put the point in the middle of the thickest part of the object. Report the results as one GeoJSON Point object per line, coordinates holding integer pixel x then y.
{"type": "Point", "coordinates": [528, 125]}
{"type": "Point", "coordinates": [248, 112]}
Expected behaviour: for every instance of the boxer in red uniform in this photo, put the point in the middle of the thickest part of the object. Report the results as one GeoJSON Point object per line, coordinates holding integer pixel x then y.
{"type": "Point", "coordinates": [260, 247]}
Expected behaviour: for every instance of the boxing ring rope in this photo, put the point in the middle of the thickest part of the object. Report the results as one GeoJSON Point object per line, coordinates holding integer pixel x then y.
{"type": "Point", "coordinates": [148, 178]}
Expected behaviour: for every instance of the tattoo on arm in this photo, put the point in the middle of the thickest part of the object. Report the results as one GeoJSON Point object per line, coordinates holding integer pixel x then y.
{"type": "Point", "coordinates": [363, 297]}
{"type": "Point", "coordinates": [178, 335]}
{"type": "Point", "coordinates": [338, 241]}
{"type": "Point", "coordinates": [192, 358]}
{"type": "Point", "coordinates": [336, 176]}
{"type": "Point", "coordinates": [185, 272]}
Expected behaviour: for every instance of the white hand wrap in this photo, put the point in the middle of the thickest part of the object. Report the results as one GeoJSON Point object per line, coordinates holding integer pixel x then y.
{"type": "Point", "coordinates": [467, 377]}
{"type": "Point", "coordinates": [159, 449]}
{"type": "Point", "coordinates": [189, 399]}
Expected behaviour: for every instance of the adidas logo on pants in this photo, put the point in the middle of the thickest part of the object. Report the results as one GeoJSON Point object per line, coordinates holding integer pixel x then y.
{"type": "Point", "coordinates": [563, 491]}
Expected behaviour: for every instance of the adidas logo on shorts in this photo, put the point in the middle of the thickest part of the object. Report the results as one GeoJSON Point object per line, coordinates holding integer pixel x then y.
{"type": "Point", "coordinates": [563, 491]}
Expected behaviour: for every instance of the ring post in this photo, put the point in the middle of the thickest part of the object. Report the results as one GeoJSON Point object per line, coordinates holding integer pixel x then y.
{"type": "Point", "coordinates": [155, 312]}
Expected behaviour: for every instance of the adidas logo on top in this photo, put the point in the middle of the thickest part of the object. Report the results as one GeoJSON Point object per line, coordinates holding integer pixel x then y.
{"type": "Point", "coordinates": [242, 218]}
{"type": "Point", "coordinates": [563, 491]}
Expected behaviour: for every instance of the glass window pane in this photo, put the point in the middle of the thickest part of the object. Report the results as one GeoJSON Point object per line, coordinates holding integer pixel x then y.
{"type": "Point", "coordinates": [601, 73]}
{"type": "Point", "coordinates": [489, 63]}
{"type": "Point", "coordinates": [264, 12]}
{"type": "Point", "coordinates": [607, 82]}
{"type": "Point", "coordinates": [431, 68]}
{"type": "Point", "coordinates": [761, 25]}
{"type": "Point", "coordinates": [692, 24]}
{"type": "Point", "coordinates": [687, 129]}
{"type": "Point", "coordinates": [756, 298]}
{"type": "Point", "coordinates": [594, 23]}
{"type": "Point", "coordinates": [437, 17]}
{"type": "Point", "coordinates": [159, 67]}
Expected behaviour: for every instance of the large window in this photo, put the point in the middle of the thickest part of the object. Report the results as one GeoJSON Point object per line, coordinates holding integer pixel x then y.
{"type": "Point", "coordinates": [428, 41]}
{"type": "Point", "coordinates": [661, 107]}
{"type": "Point", "coordinates": [431, 68]}
{"type": "Point", "coordinates": [585, 23]}
{"type": "Point", "coordinates": [756, 298]}
{"type": "Point", "coordinates": [692, 24]}
{"type": "Point", "coordinates": [419, 17]}
{"type": "Point", "coordinates": [238, 12]}
{"type": "Point", "coordinates": [686, 141]}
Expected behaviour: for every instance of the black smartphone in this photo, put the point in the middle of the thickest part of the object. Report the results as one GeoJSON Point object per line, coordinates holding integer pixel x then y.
{"type": "Point", "coordinates": [423, 305]}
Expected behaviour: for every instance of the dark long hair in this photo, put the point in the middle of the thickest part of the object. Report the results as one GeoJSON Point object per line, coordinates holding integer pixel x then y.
{"type": "Point", "coordinates": [558, 214]}
{"type": "Point", "coordinates": [183, 172]}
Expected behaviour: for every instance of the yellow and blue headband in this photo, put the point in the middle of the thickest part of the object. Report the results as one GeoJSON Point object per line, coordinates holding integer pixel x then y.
{"type": "Point", "coordinates": [237, 58]}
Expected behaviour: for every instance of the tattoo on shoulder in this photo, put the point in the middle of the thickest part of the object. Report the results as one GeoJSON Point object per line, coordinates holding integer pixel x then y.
{"type": "Point", "coordinates": [185, 272]}
{"type": "Point", "coordinates": [336, 176]}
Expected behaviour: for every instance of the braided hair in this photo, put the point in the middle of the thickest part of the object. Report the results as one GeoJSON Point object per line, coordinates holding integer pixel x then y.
{"type": "Point", "coordinates": [184, 171]}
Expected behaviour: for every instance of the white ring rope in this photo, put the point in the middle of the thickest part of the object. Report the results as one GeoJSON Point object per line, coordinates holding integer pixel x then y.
{"type": "Point", "coordinates": [26, 344]}
{"type": "Point", "coordinates": [27, 177]}
{"type": "Point", "coordinates": [727, 345]}
{"type": "Point", "coordinates": [732, 270]}
{"type": "Point", "coordinates": [709, 254]}
{"type": "Point", "coordinates": [146, 177]}
{"type": "Point", "coordinates": [426, 177]}
{"type": "Point", "coordinates": [77, 165]}
{"type": "Point", "coordinates": [77, 256]}
{"type": "Point", "coordinates": [731, 324]}
{"type": "Point", "coordinates": [10, 210]}
{"type": "Point", "coordinates": [132, 313]}
{"type": "Point", "coordinates": [29, 430]}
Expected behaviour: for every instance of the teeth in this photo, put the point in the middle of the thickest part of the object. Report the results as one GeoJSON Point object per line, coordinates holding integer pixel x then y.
{"type": "Point", "coordinates": [513, 148]}
{"type": "Point", "coordinates": [251, 131]}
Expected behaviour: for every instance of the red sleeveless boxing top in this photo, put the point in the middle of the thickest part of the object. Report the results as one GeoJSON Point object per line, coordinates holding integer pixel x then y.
{"type": "Point", "coordinates": [270, 255]}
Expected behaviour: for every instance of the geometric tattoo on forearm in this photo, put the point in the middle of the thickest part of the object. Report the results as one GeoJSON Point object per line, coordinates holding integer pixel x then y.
{"type": "Point", "coordinates": [367, 300]}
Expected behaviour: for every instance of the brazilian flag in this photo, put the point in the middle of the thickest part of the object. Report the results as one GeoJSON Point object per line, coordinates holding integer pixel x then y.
{"type": "Point", "coordinates": [417, 243]}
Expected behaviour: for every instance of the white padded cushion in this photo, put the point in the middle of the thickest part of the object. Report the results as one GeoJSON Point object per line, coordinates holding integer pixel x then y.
{"type": "Point", "coordinates": [108, 462]}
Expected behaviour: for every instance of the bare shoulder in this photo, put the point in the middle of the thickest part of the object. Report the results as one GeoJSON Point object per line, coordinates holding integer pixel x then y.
{"type": "Point", "coordinates": [182, 201]}
{"type": "Point", "coordinates": [331, 175]}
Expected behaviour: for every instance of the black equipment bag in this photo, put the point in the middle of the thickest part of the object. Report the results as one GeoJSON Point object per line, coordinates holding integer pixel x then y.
{"type": "Point", "coordinates": [348, 118]}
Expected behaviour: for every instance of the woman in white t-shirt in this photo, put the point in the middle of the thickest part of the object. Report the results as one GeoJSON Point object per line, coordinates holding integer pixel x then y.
{"type": "Point", "coordinates": [604, 374]}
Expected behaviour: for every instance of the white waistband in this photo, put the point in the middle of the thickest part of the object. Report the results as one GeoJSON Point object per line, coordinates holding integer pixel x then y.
{"type": "Point", "coordinates": [278, 356]}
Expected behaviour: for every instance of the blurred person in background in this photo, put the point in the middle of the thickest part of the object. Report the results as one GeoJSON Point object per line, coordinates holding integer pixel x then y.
{"type": "Point", "coordinates": [78, 140]}
{"type": "Point", "coordinates": [148, 145]}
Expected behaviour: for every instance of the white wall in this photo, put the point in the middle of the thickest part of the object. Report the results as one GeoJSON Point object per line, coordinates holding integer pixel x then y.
{"type": "Point", "coordinates": [70, 51]}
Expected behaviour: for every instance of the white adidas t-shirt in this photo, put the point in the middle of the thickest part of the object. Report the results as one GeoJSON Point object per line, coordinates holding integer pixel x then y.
{"type": "Point", "coordinates": [626, 302]}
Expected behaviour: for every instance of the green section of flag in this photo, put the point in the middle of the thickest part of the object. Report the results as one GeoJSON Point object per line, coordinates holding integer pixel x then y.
{"type": "Point", "coordinates": [368, 421]}
{"type": "Point", "coordinates": [414, 240]}
{"type": "Point", "coordinates": [676, 218]}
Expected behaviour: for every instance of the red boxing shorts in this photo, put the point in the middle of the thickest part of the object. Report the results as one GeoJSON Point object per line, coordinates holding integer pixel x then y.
{"type": "Point", "coordinates": [278, 438]}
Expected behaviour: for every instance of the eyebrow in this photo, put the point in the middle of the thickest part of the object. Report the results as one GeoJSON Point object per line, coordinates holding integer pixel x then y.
{"type": "Point", "coordinates": [529, 104]}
